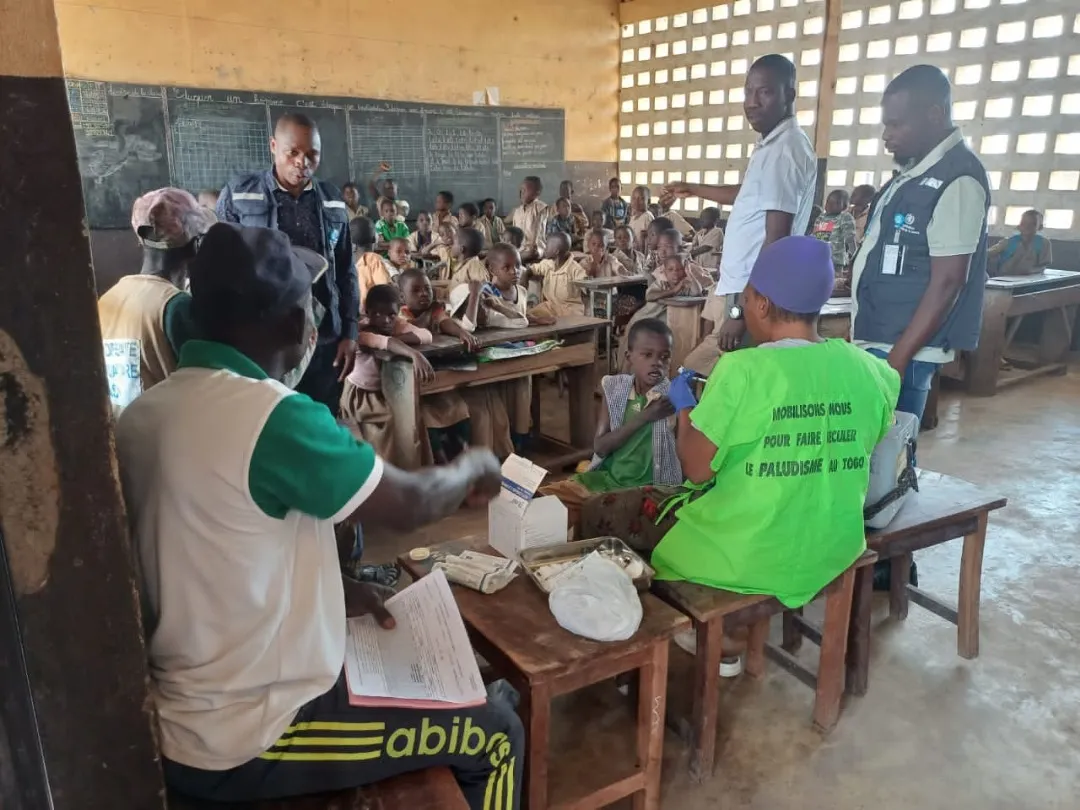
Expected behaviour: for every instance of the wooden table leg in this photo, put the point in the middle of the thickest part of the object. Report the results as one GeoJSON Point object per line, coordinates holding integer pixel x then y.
{"type": "Point", "coordinates": [967, 624]}
{"type": "Point", "coordinates": [755, 648]}
{"type": "Point", "coordinates": [834, 638]}
{"type": "Point", "coordinates": [710, 638]}
{"type": "Point", "coordinates": [652, 699]}
{"type": "Point", "coordinates": [985, 362]}
{"type": "Point", "coordinates": [535, 712]}
{"type": "Point", "coordinates": [858, 651]}
{"type": "Point", "coordinates": [402, 398]}
{"type": "Point", "coordinates": [1056, 334]}
{"type": "Point", "coordinates": [792, 637]}
{"type": "Point", "coordinates": [581, 381]}
{"type": "Point", "coordinates": [899, 576]}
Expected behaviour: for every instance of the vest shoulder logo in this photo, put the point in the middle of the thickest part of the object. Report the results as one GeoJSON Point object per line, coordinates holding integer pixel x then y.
{"type": "Point", "coordinates": [931, 182]}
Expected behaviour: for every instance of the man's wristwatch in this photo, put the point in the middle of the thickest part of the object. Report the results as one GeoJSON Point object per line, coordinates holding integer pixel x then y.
{"type": "Point", "coordinates": [735, 309]}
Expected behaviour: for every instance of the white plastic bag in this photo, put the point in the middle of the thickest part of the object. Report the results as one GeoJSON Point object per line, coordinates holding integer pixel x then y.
{"type": "Point", "coordinates": [597, 600]}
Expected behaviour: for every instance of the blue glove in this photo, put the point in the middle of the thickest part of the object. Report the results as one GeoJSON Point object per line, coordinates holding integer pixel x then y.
{"type": "Point", "coordinates": [681, 393]}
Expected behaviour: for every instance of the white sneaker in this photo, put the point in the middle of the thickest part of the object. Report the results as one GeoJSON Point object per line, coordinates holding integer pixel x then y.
{"type": "Point", "coordinates": [730, 665]}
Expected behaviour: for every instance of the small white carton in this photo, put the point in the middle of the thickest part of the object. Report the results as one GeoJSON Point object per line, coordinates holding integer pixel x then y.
{"type": "Point", "coordinates": [517, 519]}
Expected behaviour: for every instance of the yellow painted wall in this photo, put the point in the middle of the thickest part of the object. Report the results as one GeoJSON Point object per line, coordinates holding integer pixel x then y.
{"type": "Point", "coordinates": [542, 53]}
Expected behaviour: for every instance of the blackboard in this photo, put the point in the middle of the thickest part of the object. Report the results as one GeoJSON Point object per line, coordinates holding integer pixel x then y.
{"type": "Point", "coordinates": [133, 138]}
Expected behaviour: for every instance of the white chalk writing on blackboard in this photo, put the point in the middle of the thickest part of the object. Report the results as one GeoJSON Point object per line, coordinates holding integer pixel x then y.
{"type": "Point", "coordinates": [453, 150]}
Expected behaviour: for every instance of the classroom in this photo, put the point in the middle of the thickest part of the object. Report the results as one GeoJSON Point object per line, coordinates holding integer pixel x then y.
{"type": "Point", "coordinates": [573, 405]}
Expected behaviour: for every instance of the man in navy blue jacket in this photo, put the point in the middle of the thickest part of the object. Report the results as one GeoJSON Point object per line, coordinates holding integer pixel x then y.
{"type": "Point", "coordinates": [313, 215]}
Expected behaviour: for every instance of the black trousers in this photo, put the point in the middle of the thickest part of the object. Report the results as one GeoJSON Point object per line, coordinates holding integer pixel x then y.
{"type": "Point", "coordinates": [332, 746]}
{"type": "Point", "coordinates": [320, 381]}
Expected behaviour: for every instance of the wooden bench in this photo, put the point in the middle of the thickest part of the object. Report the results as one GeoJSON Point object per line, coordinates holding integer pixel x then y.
{"type": "Point", "coordinates": [714, 611]}
{"type": "Point", "coordinates": [945, 508]}
{"type": "Point", "coordinates": [515, 632]}
{"type": "Point", "coordinates": [684, 319]}
{"type": "Point", "coordinates": [431, 789]}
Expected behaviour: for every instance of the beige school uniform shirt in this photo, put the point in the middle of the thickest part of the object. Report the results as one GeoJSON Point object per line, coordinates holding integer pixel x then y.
{"type": "Point", "coordinates": [638, 224]}
{"type": "Point", "coordinates": [712, 239]}
{"type": "Point", "coordinates": [609, 266]}
{"type": "Point", "coordinates": [134, 308]}
{"type": "Point", "coordinates": [632, 264]}
{"type": "Point", "coordinates": [438, 220]}
{"type": "Point", "coordinates": [532, 219]}
{"type": "Point", "coordinates": [472, 269]}
{"type": "Point", "coordinates": [561, 295]}
{"type": "Point", "coordinates": [680, 223]}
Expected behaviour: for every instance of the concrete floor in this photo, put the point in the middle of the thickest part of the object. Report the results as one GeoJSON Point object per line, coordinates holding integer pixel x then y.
{"type": "Point", "coordinates": [934, 731]}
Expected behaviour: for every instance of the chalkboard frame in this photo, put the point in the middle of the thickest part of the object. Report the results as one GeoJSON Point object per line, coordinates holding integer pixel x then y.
{"type": "Point", "coordinates": [92, 126]}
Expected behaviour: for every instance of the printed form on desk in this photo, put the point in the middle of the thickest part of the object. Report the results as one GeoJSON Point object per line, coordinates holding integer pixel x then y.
{"type": "Point", "coordinates": [426, 661]}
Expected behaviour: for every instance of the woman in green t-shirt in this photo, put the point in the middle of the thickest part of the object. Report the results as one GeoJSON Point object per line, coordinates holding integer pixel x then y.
{"type": "Point", "coordinates": [780, 442]}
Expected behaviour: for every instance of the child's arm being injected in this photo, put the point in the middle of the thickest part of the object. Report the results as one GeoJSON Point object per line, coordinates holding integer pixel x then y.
{"type": "Point", "coordinates": [607, 441]}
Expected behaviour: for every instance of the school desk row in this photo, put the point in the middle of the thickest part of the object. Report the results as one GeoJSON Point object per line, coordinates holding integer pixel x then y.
{"type": "Point", "coordinates": [517, 635]}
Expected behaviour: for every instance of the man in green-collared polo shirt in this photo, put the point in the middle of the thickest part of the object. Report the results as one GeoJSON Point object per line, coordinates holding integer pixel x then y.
{"type": "Point", "coordinates": [233, 483]}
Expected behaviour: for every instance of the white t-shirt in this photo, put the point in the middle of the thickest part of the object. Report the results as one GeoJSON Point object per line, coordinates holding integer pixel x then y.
{"type": "Point", "coordinates": [233, 484]}
{"type": "Point", "coordinates": [779, 177]}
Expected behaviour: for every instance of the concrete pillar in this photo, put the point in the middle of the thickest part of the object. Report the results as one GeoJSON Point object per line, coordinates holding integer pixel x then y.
{"type": "Point", "coordinates": [75, 723]}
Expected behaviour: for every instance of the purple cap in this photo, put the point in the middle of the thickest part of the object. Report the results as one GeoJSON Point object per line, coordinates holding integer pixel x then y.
{"type": "Point", "coordinates": [169, 218]}
{"type": "Point", "coordinates": [795, 273]}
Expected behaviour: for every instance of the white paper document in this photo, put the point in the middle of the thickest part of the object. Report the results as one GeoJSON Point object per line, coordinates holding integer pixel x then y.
{"type": "Point", "coordinates": [425, 660]}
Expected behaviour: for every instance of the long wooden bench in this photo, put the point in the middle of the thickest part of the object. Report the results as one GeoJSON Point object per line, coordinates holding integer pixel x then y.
{"type": "Point", "coordinates": [431, 789]}
{"type": "Point", "coordinates": [714, 612]}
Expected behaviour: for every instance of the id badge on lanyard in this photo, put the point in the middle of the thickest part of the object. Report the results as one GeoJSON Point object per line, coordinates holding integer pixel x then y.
{"type": "Point", "coordinates": [892, 257]}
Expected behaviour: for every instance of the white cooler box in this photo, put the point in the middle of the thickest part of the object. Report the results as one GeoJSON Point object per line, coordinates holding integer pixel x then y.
{"type": "Point", "coordinates": [892, 472]}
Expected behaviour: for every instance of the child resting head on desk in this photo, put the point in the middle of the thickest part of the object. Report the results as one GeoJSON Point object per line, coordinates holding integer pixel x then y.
{"type": "Point", "coordinates": [560, 273]}
{"type": "Point", "coordinates": [635, 432]}
{"type": "Point", "coordinates": [363, 407]}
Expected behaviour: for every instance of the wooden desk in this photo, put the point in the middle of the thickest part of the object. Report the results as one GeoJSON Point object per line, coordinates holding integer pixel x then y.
{"type": "Point", "coordinates": [515, 631]}
{"type": "Point", "coordinates": [577, 356]}
{"type": "Point", "coordinates": [684, 319]}
{"type": "Point", "coordinates": [945, 508]}
{"type": "Point", "coordinates": [1008, 300]}
{"type": "Point", "coordinates": [604, 289]}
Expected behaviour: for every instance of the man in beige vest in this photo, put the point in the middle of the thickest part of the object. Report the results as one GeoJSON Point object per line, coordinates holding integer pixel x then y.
{"type": "Point", "coordinates": [145, 317]}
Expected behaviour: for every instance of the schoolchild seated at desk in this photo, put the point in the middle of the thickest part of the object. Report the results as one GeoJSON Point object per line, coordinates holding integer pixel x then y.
{"type": "Point", "coordinates": [631, 259]}
{"type": "Point", "coordinates": [708, 239]}
{"type": "Point", "coordinates": [422, 237]}
{"type": "Point", "coordinates": [560, 273]}
{"type": "Point", "coordinates": [490, 224]}
{"type": "Point", "coordinates": [468, 244]}
{"type": "Point", "coordinates": [563, 221]}
{"type": "Point", "coordinates": [514, 236]}
{"type": "Point", "coordinates": [674, 279]}
{"type": "Point", "coordinates": [467, 216]}
{"type": "Point", "coordinates": [504, 267]}
{"type": "Point", "coordinates": [640, 217]}
{"type": "Point", "coordinates": [635, 432]}
{"type": "Point", "coordinates": [596, 260]}
{"type": "Point", "coordinates": [444, 415]}
{"type": "Point", "coordinates": [444, 204]}
{"type": "Point", "coordinates": [389, 226]}
{"type": "Point", "coordinates": [442, 248]}
{"type": "Point", "coordinates": [371, 268]}
{"type": "Point", "coordinates": [652, 238]}
{"type": "Point", "coordinates": [596, 223]}
{"type": "Point", "coordinates": [1025, 253]}
{"type": "Point", "coordinates": [397, 256]}
{"type": "Point", "coordinates": [363, 408]}
{"type": "Point", "coordinates": [778, 448]}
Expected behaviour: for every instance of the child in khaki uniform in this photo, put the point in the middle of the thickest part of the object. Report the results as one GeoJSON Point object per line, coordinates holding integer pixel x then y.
{"type": "Point", "coordinates": [468, 244]}
{"type": "Point", "coordinates": [371, 269]}
{"type": "Point", "coordinates": [363, 406]}
{"type": "Point", "coordinates": [560, 273]}
{"type": "Point", "coordinates": [445, 415]}
{"type": "Point", "coordinates": [631, 259]}
{"type": "Point", "coordinates": [596, 260]}
{"type": "Point", "coordinates": [708, 239]}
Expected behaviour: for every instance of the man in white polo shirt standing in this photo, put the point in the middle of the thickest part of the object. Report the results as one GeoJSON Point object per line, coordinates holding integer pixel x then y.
{"type": "Point", "coordinates": [773, 201]}
{"type": "Point", "coordinates": [233, 483]}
